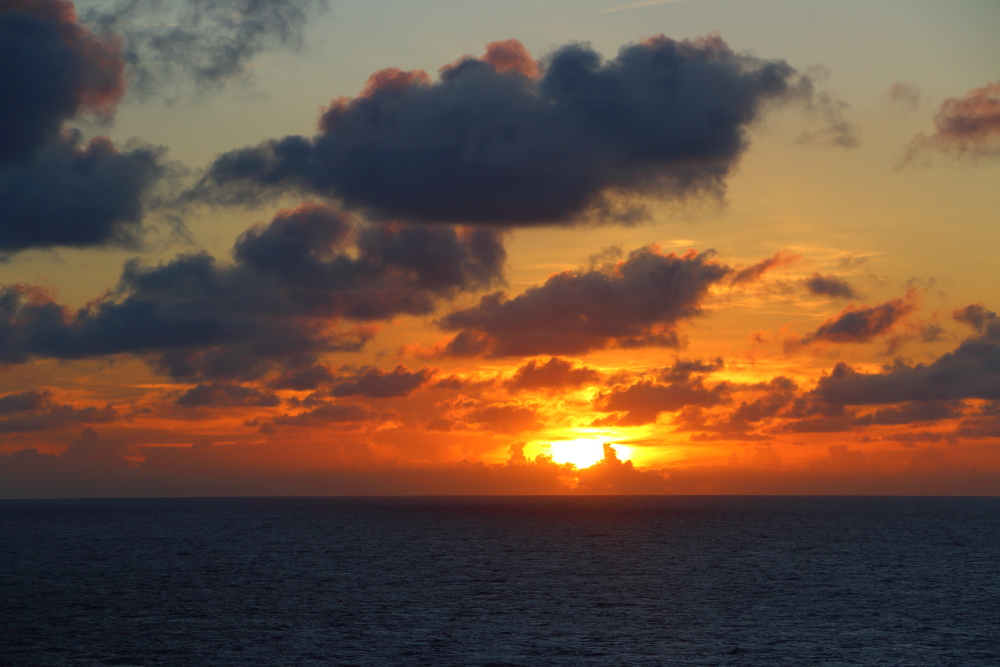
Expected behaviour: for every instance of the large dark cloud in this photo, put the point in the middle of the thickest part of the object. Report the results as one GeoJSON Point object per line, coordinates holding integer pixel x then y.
{"type": "Point", "coordinates": [51, 68]}
{"type": "Point", "coordinates": [226, 395]}
{"type": "Point", "coordinates": [970, 371]}
{"type": "Point", "coordinates": [170, 43]}
{"type": "Point", "coordinates": [489, 143]}
{"type": "Point", "coordinates": [277, 304]}
{"type": "Point", "coordinates": [76, 194]}
{"type": "Point", "coordinates": [636, 302]}
{"type": "Point", "coordinates": [56, 189]}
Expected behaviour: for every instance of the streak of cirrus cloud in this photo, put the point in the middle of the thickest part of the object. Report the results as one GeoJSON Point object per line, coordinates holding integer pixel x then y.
{"type": "Point", "coordinates": [275, 306]}
{"type": "Point", "coordinates": [55, 188]}
{"type": "Point", "coordinates": [506, 140]}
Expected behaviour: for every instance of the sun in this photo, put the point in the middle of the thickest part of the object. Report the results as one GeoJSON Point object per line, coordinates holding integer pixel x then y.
{"type": "Point", "coordinates": [581, 452]}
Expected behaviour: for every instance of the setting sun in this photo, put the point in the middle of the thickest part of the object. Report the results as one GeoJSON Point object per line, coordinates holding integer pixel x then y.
{"type": "Point", "coordinates": [581, 452]}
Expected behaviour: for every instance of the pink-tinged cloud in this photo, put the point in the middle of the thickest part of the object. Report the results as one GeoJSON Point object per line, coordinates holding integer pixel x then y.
{"type": "Point", "coordinates": [965, 126]}
{"type": "Point", "coordinates": [755, 272]}
{"type": "Point", "coordinates": [51, 68]}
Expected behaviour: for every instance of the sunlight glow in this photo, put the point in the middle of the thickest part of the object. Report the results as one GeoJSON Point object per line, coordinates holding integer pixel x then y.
{"type": "Point", "coordinates": [581, 452]}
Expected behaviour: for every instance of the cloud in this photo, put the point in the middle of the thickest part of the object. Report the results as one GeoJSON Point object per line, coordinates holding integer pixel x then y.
{"type": "Point", "coordinates": [31, 411]}
{"type": "Point", "coordinates": [77, 194]}
{"type": "Point", "coordinates": [505, 417]}
{"type": "Point", "coordinates": [51, 69]}
{"type": "Point", "coordinates": [632, 303]}
{"type": "Point", "coordinates": [171, 43]}
{"type": "Point", "coordinates": [831, 286]}
{"type": "Point", "coordinates": [278, 304]}
{"type": "Point", "coordinates": [376, 383]}
{"type": "Point", "coordinates": [905, 95]}
{"type": "Point", "coordinates": [967, 126]}
{"type": "Point", "coordinates": [554, 375]}
{"type": "Point", "coordinates": [860, 325]}
{"type": "Point", "coordinates": [488, 144]}
{"type": "Point", "coordinates": [975, 315]}
{"type": "Point", "coordinates": [972, 370]}
{"type": "Point", "coordinates": [755, 272]}
{"type": "Point", "coordinates": [56, 189]}
{"type": "Point", "coordinates": [643, 401]}
{"type": "Point", "coordinates": [909, 413]}
{"type": "Point", "coordinates": [328, 413]}
{"type": "Point", "coordinates": [225, 395]}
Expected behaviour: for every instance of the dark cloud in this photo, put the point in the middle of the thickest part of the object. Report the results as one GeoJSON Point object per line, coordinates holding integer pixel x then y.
{"type": "Point", "coordinates": [554, 375]}
{"type": "Point", "coordinates": [376, 383]}
{"type": "Point", "coordinates": [56, 189]}
{"type": "Point", "coordinates": [612, 475]}
{"type": "Point", "coordinates": [967, 126]}
{"type": "Point", "coordinates": [226, 395]}
{"type": "Point", "coordinates": [170, 43]}
{"type": "Point", "coordinates": [490, 143]}
{"type": "Point", "coordinates": [831, 286]}
{"type": "Point", "coordinates": [970, 371]}
{"type": "Point", "coordinates": [277, 304]}
{"type": "Point", "coordinates": [860, 325]}
{"type": "Point", "coordinates": [636, 302]}
{"type": "Point", "coordinates": [909, 413]}
{"type": "Point", "coordinates": [643, 401]}
{"type": "Point", "coordinates": [51, 69]}
{"type": "Point", "coordinates": [683, 369]}
{"type": "Point", "coordinates": [975, 315]}
{"type": "Point", "coordinates": [755, 272]}
{"type": "Point", "coordinates": [328, 413]}
{"type": "Point", "coordinates": [76, 194]}
{"type": "Point", "coordinates": [31, 411]}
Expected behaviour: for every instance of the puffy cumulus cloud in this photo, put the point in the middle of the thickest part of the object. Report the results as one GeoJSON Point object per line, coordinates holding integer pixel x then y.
{"type": "Point", "coordinates": [376, 383]}
{"type": "Point", "coordinates": [171, 43]}
{"type": "Point", "coordinates": [277, 305]}
{"type": "Point", "coordinates": [632, 303]}
{"type": "Point", "coordinates": [861, 324]}
{"type": "Point", "coordinates": [967, 126]}
{"type": "Point", "coordinates": [494, 141]}
{"type": "Point", "coordinates": [831, 286]}
{"type": "Point", "coordinates": [32, 411]}
{"type": "Point", "coordinates": [56, 189]}
{"type": "Point", "coordinates": [682, 369]}
{"type": "Point", "coordinates": [72, 193]}
{"type": "Point", "coordinates": [972, 370]}
{"type": "Point", "coordinates": [644, 400]}
{"type": "Point", "coordinates": [51, 69]}
{"type": "Point", "coordinates": [552, 376]}
{"type": "Point", "coordinates": [227, 395]}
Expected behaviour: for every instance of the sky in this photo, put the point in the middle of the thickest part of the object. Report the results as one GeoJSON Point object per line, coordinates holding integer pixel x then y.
{"type": "Point", "coordinates": [325, 247]}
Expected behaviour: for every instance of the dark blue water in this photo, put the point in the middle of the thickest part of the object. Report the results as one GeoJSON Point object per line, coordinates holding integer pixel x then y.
{"type": "Point", "coordinates": [501, 581]}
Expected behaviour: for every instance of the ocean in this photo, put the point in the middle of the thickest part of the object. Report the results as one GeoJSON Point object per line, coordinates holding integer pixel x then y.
{"type": "Point", "coordinates": [491, 581]}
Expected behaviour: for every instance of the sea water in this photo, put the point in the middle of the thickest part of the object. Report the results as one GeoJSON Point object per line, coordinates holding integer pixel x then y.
{"type": "Point", "coordinates": [501, 581]}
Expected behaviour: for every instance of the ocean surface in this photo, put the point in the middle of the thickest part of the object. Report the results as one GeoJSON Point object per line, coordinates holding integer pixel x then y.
{"type": "Point", "coordinates": [501, 581]}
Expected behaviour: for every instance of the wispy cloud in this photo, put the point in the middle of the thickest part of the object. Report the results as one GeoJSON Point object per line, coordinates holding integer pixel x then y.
{"type": "Point", "coordinates": [636, 5]}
